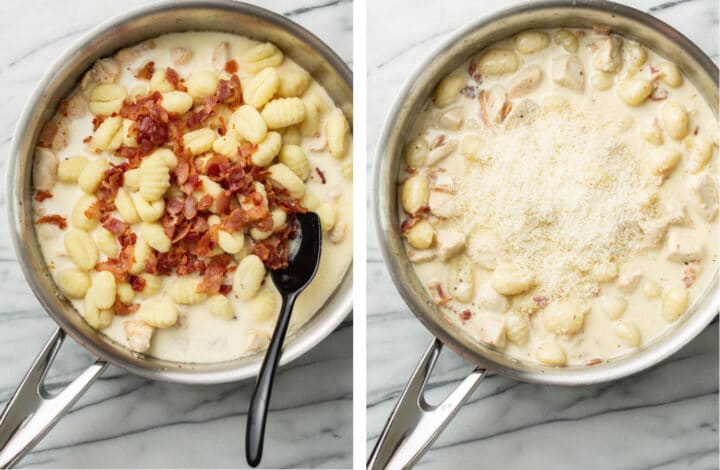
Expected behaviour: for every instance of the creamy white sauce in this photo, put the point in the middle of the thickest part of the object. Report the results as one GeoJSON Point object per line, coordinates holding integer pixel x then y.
{"type": "Point", "coordinates": [199, 336]}
{"type": "Point", "coordinates": [618, 123]}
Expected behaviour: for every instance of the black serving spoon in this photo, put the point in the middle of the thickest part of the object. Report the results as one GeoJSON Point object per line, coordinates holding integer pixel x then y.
{"type": "Point", "coordinates": [302, 266]}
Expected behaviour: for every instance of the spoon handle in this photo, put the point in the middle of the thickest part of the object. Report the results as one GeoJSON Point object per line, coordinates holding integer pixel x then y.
{"type": "Point", "coordinates": [260, 400]}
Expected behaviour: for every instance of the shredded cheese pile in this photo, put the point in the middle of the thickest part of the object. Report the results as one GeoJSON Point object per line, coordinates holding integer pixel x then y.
{"type": "Point", "coordinates": [563, 192]}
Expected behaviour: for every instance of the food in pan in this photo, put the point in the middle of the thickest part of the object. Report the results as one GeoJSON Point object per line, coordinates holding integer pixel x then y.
{"type": "Point", "coordinates": [166, 188]}
{"type": "Point", "coordinates": [559, 196]}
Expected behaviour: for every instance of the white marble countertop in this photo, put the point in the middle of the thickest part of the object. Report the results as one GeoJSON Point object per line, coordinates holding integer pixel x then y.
{"type": "Point", "coordinates": [124, 420]}
{"type": "Point", "coordinates": [666, 418]}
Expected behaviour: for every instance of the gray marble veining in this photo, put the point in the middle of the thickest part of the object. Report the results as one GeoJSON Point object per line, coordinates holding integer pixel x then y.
{"type": "Point", "coordinates": [665, 418]}
{"type": "Point", "coordinates": [124, 420]}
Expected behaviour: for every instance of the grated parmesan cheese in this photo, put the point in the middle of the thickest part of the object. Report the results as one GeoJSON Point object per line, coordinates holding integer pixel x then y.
{"type": "Point", "coordinates": [563, 192]}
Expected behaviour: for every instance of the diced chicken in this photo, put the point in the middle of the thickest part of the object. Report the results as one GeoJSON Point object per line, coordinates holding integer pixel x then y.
{"type": "Point", "coordinates": [449, 242]}
{"type": "Point", "coordinates": [608, 55]}
{"type": "Point", "coordinates": [494, 105]}
{"type": "Point", "coordinates": [76, 106]}
{"type": "Point", "coordinates": [440, 149]}
{"type": "Point", "coordinates": [527, 80]}
{"type": "Point", "coordinates": [45, 168]}
{"type": "Point", "coordinates": [487, 298]}
{"type": "Point", "coordinates": [256, 341]}
{"type": "Point", "coordinates": [681, 246]}
{"type": "Point", "coordinates": [337, 233]}
{"type": "Point", "coordinates": [138, 335]}
{"type": "Point", "coordinates": [180, 55]}
{"type": "Point", "coordinates": [220, 56]}
{"type": "Point", "coordinates": [704, 195]}
{"type": "Point", "coordinates": [442, 204]}
{"type": "Point", "coordinates": [421, 256]}
{"type": "Point", "coordinates": [490, 330]}
{"type": "Point", "coordinates": [567, 71]}
{"type": "Point", "coordinates": [523, 113]}
{"type": "Point", "coordinates": [676, 213]}
{"type": "Point", "coordinates": [629, 280]}
{"type": "Point", "coordinates": [654, 231]}
{"type": "Point", "coordinates": [451, 119]}
{"type": "Point", "coordinates": [482, 248]}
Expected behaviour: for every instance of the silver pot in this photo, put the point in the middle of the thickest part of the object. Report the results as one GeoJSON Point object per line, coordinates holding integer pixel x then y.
{"type": "Point", "coordinates": [31, 411]}
{"type": "Point", "coordinates": [414, 424]}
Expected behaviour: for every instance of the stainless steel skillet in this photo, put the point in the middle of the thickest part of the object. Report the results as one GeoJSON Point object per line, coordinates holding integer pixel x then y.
{"type": "Point", "coordinates": [414, 424]}
{"type": "Point", "coordinates": [32, 411]}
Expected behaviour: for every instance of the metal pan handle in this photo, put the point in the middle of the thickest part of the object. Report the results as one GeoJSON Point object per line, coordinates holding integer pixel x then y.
{"type": "Point", "coordinates": [33, 411]}
{"type": "Point", "coordinates": [414, 424]}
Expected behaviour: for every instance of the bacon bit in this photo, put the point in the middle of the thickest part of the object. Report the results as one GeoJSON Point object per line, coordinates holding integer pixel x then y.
{"type": "Point", "coordinates": [273, 251]}
{"type": "Point", "coordinates": [658, 94]}
{"type": "Point", "coordinates": [214, 274]}
{"type": "Point", "coordinates": [541, 301]}
{"type": "Point", "coordinates": [205, 202]}
{"type": "Point", "coordinates": [137, 283]}
{"type": "Point", "coordinates": [696, 130]}
{"type": "Point", "coordinates": [469, 91]}
{"type": "Point", "coordinates": [127, 238]}
{"type": "Point", "coordinates": [465, 315]}
{"type": "Point", "coordinates": [190, 207]}
{"type": "Point", "coordinates": [601, 29]}
{"type": "Point", "coordinates": [47, 134]}
{"type": "Point", "coordinates": [120, 308]}
{"type": "Point", "coordinates": [437, 294]}
{"type": "Point", "coordinates": [63, 107]}
{"type": "Point", "coordinates": [151, 121]}
{"type": "Point", "coordinates": [654, 70]}
{"type": "Point", "coordinates": [474, 73]}
{"type": "Point", "coordinates": [53, 219]}
{"type": "Point", "coordinates": [225, 289]}
{"type": "Point", "coordinates": [321, 175]}
{"type": "Point", "coordinates": [690, 273]}
{"type": "Point", "coordinates": [132, 154]}
{"type": "Point", "coordinates": [119, 266]}
{"type": "Point", "coordinates": [174, 79]}
{"type": "Point", "coordinates": [97, 120]}
{"type": "Point", "coordinates": [146, 72]}
{"type": "Point", "coordinates": [437, 141]}
{"type": "Point", "coordinates": [230, 92]}
{"type": "Point", "coordinates": [409, 223]}
{"type": "Point", "coordinates": [41, 195]}
{"type": "Point", "coordinates": [115, 226]}
{"type": "Point", "coordinates": [199, 117]}
{"type": "Point", "coordinates": [593, 362]}
{"type": "Point", "coordinates": [231, 66]}
{"type": "Point", "coordinates": [87, 139]}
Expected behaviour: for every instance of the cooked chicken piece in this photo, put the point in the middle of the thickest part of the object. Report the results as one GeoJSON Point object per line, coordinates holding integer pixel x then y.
{"type": "Point", "coordinates": [524, 112]}
{"type": "Point", "coordinates": [421, 256]}
{"type": "Point", "coordinates": [608, 56]}
{"type": "Point", "coordinates": [45, 169]}
{"type": "Point", "coordinates": [676, 213]}
{"type": "Point", "coordinates": [567, 71]}
{"type": "Point", "coordinates": [180, 55]}
{"type": "Point", "coordinates": [138, 335]}
{"type": "Point", "coordinates": [490, 330]}
{"type": "Point", "coordinates": [450, 242]}
{"type": "Point", "coordinates": [527, 80]}
{"type": "Point", "coordinates": [451, 119]}
{"type": "Point", "coordinates": [704, 195]}
{"type": "Point", "coordinates": [442, 204]}
{"type": "Point", "coordinates": [487, 298]}
{"type": "Point", "coordinates": [629, 280]}
{"type": "Point", "coordinates": [493, 105]}
{"type": "Point", "coordinates": [682, 246]}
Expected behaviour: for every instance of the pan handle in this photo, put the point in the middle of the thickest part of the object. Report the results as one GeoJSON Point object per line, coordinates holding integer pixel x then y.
{"type": "Point", "coordinates": [33, 411]}
{"type": "Point", "coordinates": [414, 424]}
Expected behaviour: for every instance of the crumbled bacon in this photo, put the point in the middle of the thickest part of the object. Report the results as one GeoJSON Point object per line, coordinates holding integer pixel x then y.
{"type": "Point", "coordinates": [47, 134]}
{"type": "Point", "coordinates": [53, 219]}
{"type": "Point", "coordinates": [197, 118]}
{"type": "Point", "coordinates": [593, 362]}
{"type": "Point", "coordinates": [273, 251]}
{"type": "Point", "coordinates": [231, 66]}
{"type": "Point", "coordinates": [409, 223]}
{"type": "Point", "coordinates": [214, 274]}
{"type": "Point", "coordinates": [137, 283]}
{"type": "Point", "coordinates": [230, 92]}
{"type": "Point", "coordinates": [437, 294]}
{"type": "Point", "coordinates": [690, 273]}
{"type": "Point", "coordinates": [97, 120]}
{"type": "Point", "coordinates": [541, 301]}
{"type": "Point", "coordinates": [696, 130]}
{"type": "Point", "coordinates": [120, 266]}
{"type": "Point", "coordinates": [40, 195]}
{"type": "Point", "coordinates": [658, 94]}
{"type": "Point", "coordinates": [321, 175]}
{"type": "Point", "coordinates": [469, 91]}
{"type": "Point", "coordinates": [474, 73]}
{"type": "Point", "coordinates": [146, 72]}
{"type": "Point", "coordinates": [191, 206]}
{"type": "Point", "coordinates": [174, 79]}
{"type": "Point", "coordinates": [151, 121]}
{"type": "Point", "coordinates": [122, 309]}
{"type": "Point", "coordinates": [205, 202]}
{"type": "Point", "coordinates": [465, 315]}
{"type": "Point", "coordinates": [115, 226]}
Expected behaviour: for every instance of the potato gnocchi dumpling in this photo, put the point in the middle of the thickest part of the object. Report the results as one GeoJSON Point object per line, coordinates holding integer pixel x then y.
{"type": "Point", "coordinates": [170, 190]}
{"type": "Point", "coordinates": [558, 196]}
